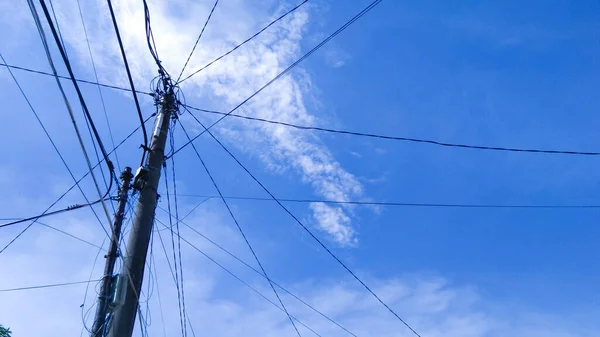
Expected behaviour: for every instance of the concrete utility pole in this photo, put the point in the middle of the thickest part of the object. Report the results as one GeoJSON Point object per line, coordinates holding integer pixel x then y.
{"type": "Point", "coordinates": [111, 257]}
{"type": "Point", "coordinates": [146, 180]}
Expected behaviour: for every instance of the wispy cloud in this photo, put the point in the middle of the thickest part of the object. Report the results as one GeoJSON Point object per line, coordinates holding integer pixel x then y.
{"type": "Point", "coordinates": [231, 80]}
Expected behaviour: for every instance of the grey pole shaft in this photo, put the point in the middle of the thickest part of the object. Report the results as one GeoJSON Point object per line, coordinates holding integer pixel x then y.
{"type": "Point", "coordinates": [132, 274]}
{"type": "Point", "coordinates": [111, 256]}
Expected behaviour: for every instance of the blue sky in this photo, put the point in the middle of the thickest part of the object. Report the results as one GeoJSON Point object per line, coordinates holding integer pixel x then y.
{"type": "Point", "coordinates": [500, 73]}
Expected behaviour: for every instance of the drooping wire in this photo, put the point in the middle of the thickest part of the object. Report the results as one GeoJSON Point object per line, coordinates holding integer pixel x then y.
{"type": "Point", "coordinates": [135, 98]}
{"type": "Point", "coordinates": [398, 138]}
{"type": "Point", "coordinates": [197, 40]}
{"type": "Point", "coordinates": [240, 230]}
{"type": "Point", "coordinates": [306, 229]}
{"type": "Point", "coordinates": [240, 280]}
{"type": "Point", "coordinates": [150, 38]}
{"type": "Point", "coordinates": [56, 150]}
{"type": "Point", "coordinates": [87, 40]}
{"type": "Point", "coordinates": [245, 41]}
{"type": "Point", "coordinates": [39, 72]}
{"type": "Point", "coordinates": [290, 67]}
{"type": "Point", "coordinates": [172, 144]}
{"type": "Point", "coordinates": [71, 115]}
{"type": "Point", "coordinates": [259, 273]}
{"type": "Point", "coordinates": [177, 284]}
{"type": "Point", "coordinates": [79, 94]}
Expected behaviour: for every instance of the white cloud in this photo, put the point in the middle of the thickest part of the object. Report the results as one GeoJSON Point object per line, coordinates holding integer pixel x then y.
{"type": "Point", "coordinates": [229, 81]}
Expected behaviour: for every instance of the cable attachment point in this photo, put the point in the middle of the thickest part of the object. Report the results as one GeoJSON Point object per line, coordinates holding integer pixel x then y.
{"type": "Point", "coordinates": [140, 178]}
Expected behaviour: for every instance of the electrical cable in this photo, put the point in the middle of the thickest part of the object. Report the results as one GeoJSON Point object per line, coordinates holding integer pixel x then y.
{"type": "Point", "coordinates": [69, 78]}
{"type": "Point", "coordinates": [150, 39]}
{"type": "Point", "coordinates": [241, 231]}
{"type": "Point", "coordinates": [45, 214]}
{"type": "Point", "coordinates": [243, 43]}
{"type": "Point", "coordinates": [79, 94]}
{"type": "Point", "coordinates": [76, 184]}
{"type": "Point", "coordinates": [259, 273]}
{"type": "Point", "coordinates": [406, 139]}
{"type": "Point", "coordinates": [47, 286]}
{"type": "Point", "coordinates": [181, 313]}
{"type": "Point", "coordinates": [71, 115]}
{"type": "Point", "coordinates": [135, 98]}
{"type": "Point", "coordinates": [305, 228]}
{"type": "Point", "coordinates": [391, 203]}
{"type": "Point", "coordinates": [290, 67]}
{"type": "Point", "coordinates": [197, 40]}
{"type": "Point", "coordinates": [70, 235]}
{"type": "Point", "coordinates": [172, 144]}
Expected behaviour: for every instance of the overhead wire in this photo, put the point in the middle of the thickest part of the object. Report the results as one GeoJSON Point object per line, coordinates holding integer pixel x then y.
{"type": "Point", "coordinates": [305, 228]}
{"type": "Point", "coordinates": [70, 235]}
{"type": "Point", "coordinates": [104, 85]}
{"type": "Point", "coordinates": [391, 203]}
{"type": "Point", "coordinates": [398, 138]}
{"type": "Point", "coordinates": [71, 115]}
{"type": "Point", "coordinates": [53, 285]}
{"type": "Point", "coordinates": [135, 98]}
{"type": "Point", "coordinates": [239, 279]}
{"type": "Point", "coordinates": [259, 273]}
{"type": "Point", "coordinates": [290, 67]}
{"type": "Point", "coordinates": [177, 284]}
{"type": "Point", "coordinates": [244, 42]}
{"type": "Point", "coordinates": [56, 150]}
{"type": "Point", "coordinates": [240, 230]}
{"type": "Point", "coordinates": [76, 184]}
{"type": "Point", "coordinates": [172, 144]}
{"type": "Point", "coordinates": [197, 40]}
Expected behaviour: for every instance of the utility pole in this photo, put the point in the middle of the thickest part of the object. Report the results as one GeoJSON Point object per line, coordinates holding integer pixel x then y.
{"type": "Point", "coordinates": [111, 257]}
{"type": "Point", "coordinates": [146, 181]}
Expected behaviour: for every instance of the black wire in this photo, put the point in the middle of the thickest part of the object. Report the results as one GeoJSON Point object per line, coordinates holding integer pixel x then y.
{"type": "Point", "coordinates": [150, 39]}
{"type": "Point", "coordinates": [415, 140]}
{"type": "Point", "coordinates": [135, 98]}
{"type": "Point", "coordinates": [391, 203]}
{"type": "Point", "coordinates": [61, 158]}
{"type": "Point", "coordinates": [259, 273]}
{"type": "Point", "coordinates": [76, 184]}
{"type": "Point", "coordinates": [198, 40]}
{"type": "Point", "coordinates": [172, 143]}
{"type": "Point", "coordinates": [49, 285]}
{"type": "Point", "coordinates": [45, 214]}
{"type": "Point", "coordinates": [304, 227]}
{"type": "Point", "coordinates": [181, 313]}
{"type": "Point", "coordinates": [243, 43]}
{"type": "Point", "coordinates": [286, 70]}
{"type": "Point", "coordinates": [79, 94]}
{"type": "Point", "coordinates": [69, 78]}
{"type": "Point", "coordinates": [240, 230]}
{"type": "Point", "coordinates": [240, 280]}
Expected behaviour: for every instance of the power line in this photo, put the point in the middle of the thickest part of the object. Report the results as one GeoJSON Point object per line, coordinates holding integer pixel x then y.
{"type": "Point", "coordinates": [198, 39]}
{"type": "Point", "coordinates": [69, 78]}
{"type": "Point", "coordinates": [391, 203]}
{"type": "Point", "coordinates": [72, 116]}
{"type": "Point", "coordinates": [241, 231]}
{"type": "Point", "coordinates": [259, 273]}
{"type": "Point", "coordinates": [135, 98]}
{"type": "Point", "coordinates": [398, 138]}
{"type": "Point", "coordinates": [79, 94]}
{"type": "Point", "coordinates": [70, 235]}
{"type": "Point", "coordinates": [245, 41]}
{"type": "Point", "coordinates": [290, 67]}
{"type": "Point", "coordinates": [45, 214]}
{"type": "Point", "coordinates": [240, 280]}
{"type": "Point", "coordinates": [305, 228]}
{"type": "Point", "coordinates": [48, 286]}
